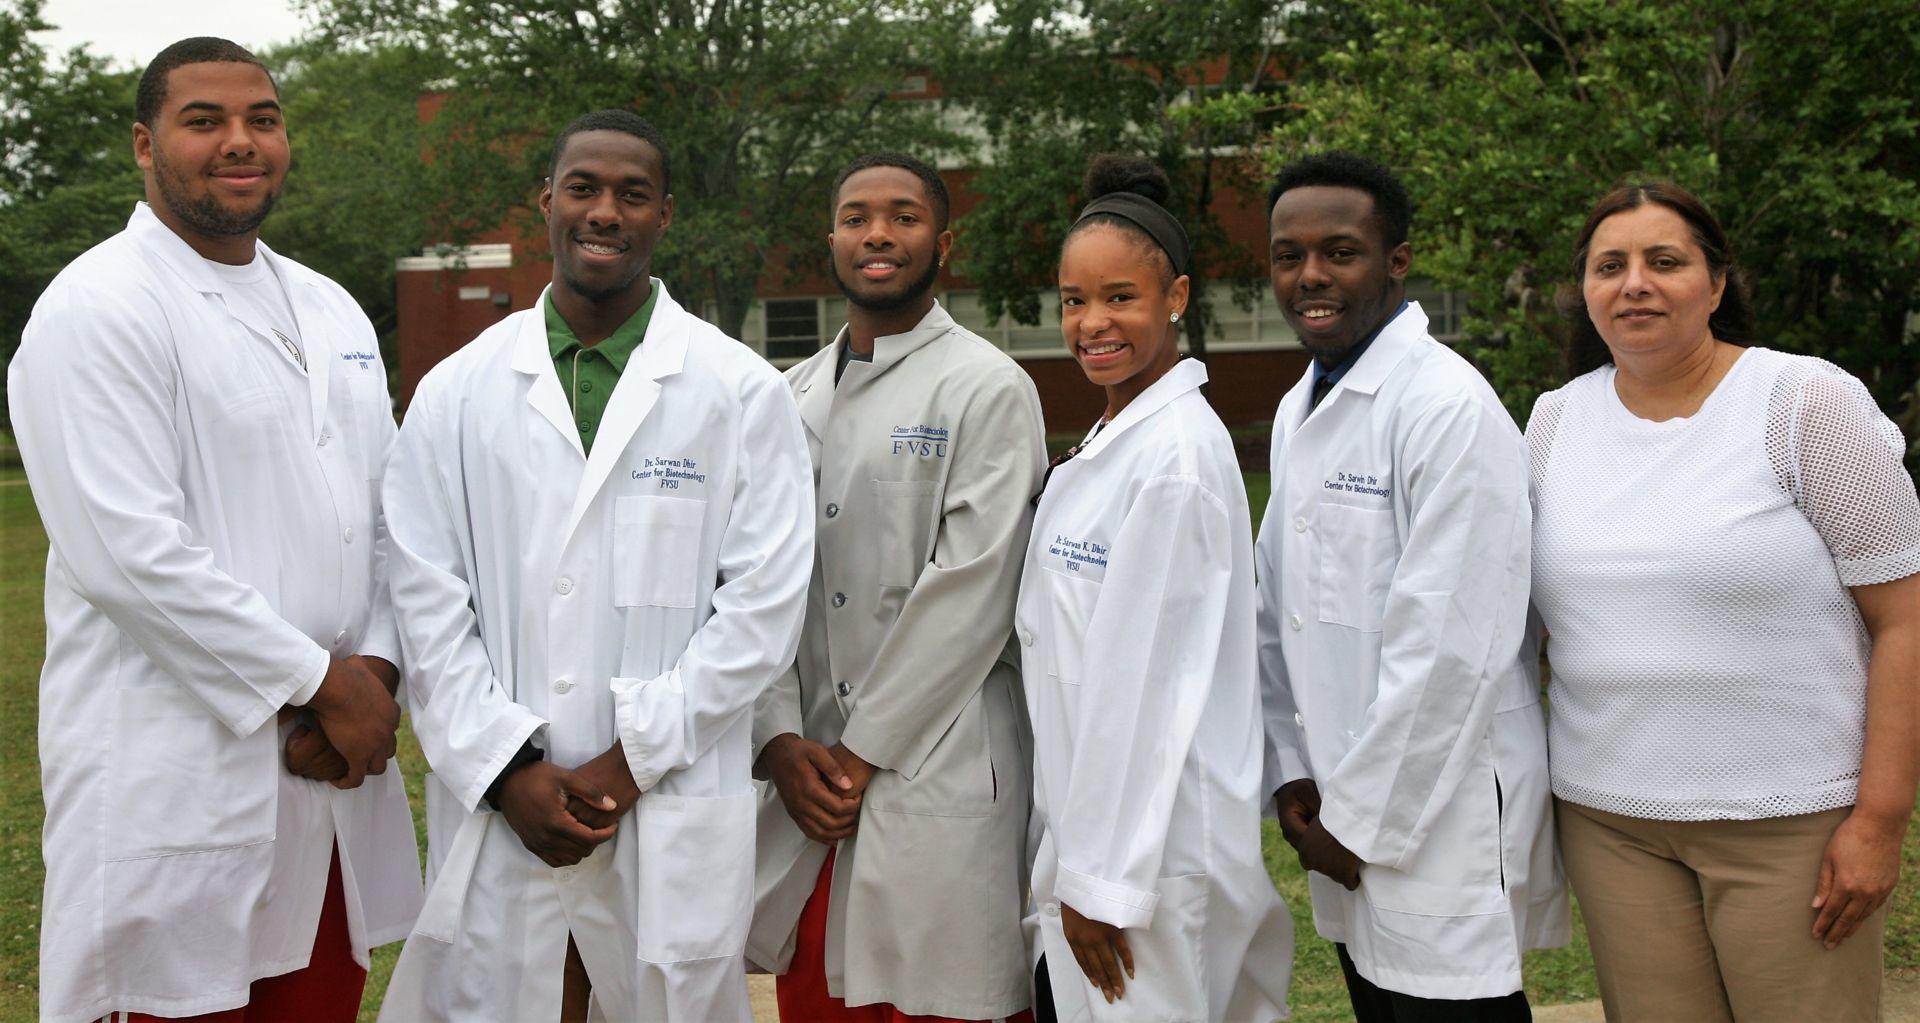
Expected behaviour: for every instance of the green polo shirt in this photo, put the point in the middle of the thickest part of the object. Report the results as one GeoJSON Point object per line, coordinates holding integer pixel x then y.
{"type": "Point", "coordinates": [588, 372]}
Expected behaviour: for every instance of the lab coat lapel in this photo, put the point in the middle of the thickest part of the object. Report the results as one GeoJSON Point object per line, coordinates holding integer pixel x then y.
{"type": "Point", "coordinates": [1377, 363]}
{"type": "Point", "coordinates": [661, 354]}
{"type": "Point", "coordinates": [533, 357]}
{"type": "Point", "coordinates": [892, 349]}
{"type": "Point", "coordinates": [316, 332]}
{"type": "Point", "coordinates": [1396, 339]}
{"type": "Point", "coordinates": [303, 296]}
{"type": "Point", "coordinates": [813, 391]}
{"type": "Point", "coordinates": [1186, 375]}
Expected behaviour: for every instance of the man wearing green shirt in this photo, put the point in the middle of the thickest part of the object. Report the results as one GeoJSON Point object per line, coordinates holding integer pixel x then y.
{"type": "Point", "coordinates": [602, 525]}
{"type": "Point", "coordinates": [589, 369]}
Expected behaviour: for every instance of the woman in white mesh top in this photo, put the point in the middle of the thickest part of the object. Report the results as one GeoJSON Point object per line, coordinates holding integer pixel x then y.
{"type": "Point", "coordinates": [1725, 554]}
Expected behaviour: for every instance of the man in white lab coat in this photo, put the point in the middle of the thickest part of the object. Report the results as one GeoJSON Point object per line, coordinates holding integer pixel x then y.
{"type": "Point", "coordinates": [891, 867]}
{"type": "Point", "coordinates": [1406, 743]}
{"type": "Point", "coordinates": [204, 424]}
{"type": "Point", "coordinates": [600, 512]}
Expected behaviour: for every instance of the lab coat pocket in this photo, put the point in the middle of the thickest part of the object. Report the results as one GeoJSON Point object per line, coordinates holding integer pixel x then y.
{"type": "Point", "coordinates": [696, 875]}
{"type": "Point", "coordinates": [1070, 604]}
{"type": "Point", "coordinates": [1457, 870]}
{"type": "Point", "coordinates": [1358, 548]}
{"type": "Point", "coordinates": [1169, 980]}
{"type": "Point", "coordinates": [656, 550]}
{"type": "Point", "coordinates": [180, 781]}
{"type": "Point", "coordinates": [903, 529]}
{"type": "Point", "coordinates": [957, 779]}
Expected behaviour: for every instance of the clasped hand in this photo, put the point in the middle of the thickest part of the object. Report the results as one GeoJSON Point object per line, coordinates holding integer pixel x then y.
{"type": "Point", "coordinates": [348, 728]}
{"type": "Point", "coordinates": [1298, 806]}
{"type": "Point", "coordinates": [561, 814]}
{"type": "Point", "coordinates": [821, 787]}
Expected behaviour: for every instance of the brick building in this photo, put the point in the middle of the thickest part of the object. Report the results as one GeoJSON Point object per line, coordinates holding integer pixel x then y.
{"type": "Point", "coordinates": [1253, 357]}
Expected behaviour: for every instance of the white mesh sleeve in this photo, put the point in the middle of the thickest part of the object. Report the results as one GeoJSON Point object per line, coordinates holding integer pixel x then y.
{"type": "Point", "coordinates": [1542, 424]}
{"type": "Point", "coordinates": [1840, 458]}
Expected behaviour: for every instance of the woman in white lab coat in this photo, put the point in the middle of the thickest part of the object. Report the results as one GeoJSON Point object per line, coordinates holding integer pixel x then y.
{"type": "Point", "coordinates": [1136, 619]}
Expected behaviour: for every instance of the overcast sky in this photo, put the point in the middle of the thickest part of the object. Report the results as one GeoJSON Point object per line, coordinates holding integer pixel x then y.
{"type": "Point", "coordinates": [132, 31]}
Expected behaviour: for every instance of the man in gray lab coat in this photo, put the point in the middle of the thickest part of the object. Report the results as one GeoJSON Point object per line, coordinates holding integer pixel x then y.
{"type": "Point", "coordinates": [890, 865]}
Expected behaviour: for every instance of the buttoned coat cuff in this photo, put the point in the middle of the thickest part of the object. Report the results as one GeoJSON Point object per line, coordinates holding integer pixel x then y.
{"type": "Point", "coordinates": [1105, 901]}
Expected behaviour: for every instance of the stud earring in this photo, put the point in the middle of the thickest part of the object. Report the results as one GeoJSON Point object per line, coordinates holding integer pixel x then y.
{"type": "Point", "coordinates": [943, 263]}
{"type": "Point", "coordinates": [1173, 318]}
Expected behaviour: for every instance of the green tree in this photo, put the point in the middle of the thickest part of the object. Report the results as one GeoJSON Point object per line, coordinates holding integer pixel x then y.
{"type": "Point", "coordinates": [1799, 124]}
{"type": "Point", "coordinates": [761, 103]}
{"type": "Point", "coordinates": [67, 176]}
{"type": "Point", "coordinates": [355, 199]}
{"type": "Point", "coordinates": [1051, 84]}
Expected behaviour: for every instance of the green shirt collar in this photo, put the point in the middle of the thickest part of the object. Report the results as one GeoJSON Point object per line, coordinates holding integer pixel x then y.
{"type": "Point", "coordinates": [618, 346]}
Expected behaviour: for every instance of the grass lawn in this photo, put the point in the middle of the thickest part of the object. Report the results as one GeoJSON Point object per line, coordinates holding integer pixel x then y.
{"type": "Point", "coordinates": [1557, 975]}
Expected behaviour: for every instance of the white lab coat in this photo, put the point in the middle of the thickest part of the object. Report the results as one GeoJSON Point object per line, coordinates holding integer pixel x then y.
{"type": "Point", "coordinates": [212, 512]}
{"type": "Point", "coordinates": [646, 592]}
{"type": "Point", "coordinates": [1399, 669]}
{"type": "Point", "coordinates": [1136, 619]}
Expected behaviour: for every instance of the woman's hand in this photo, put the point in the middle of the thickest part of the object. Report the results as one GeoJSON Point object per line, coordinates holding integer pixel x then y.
{"type": "Point", "coordinates": [1101, 950]}
{"type": "Point", "coordinates": [1857, 873]}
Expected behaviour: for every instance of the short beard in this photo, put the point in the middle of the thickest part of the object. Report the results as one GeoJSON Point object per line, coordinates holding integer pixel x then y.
{"type": "Point", "coordinates": [1322, 354]}
{"type": "Point", "coordinates": [599, 295]}
{"type": "Point", "coordinates": [889, 303]}
{"type": "Point", "coordinates": [205, 215]}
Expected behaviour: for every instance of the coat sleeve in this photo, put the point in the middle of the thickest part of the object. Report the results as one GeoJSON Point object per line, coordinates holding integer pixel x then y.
{"type": "Point", "coordinates": [468, 724]}
{"type": "Point", "coordinates": [1285, 759]}
{"type": "Point", "coordinates": [776, 713]}
{"type": "Point", "coordinates": [1455, 616]}
{"type": "Point", "coordinates": [93, 393]}
{"type": "Point", "coordinates": [962, 603]}
{"type": "Point", "coordinates": [765, 564]}
{"type": "Point", "coordinates": [1148, 667]}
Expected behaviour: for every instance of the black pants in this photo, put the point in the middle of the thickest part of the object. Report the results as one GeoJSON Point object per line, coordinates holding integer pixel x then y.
{"type": "Point", "coordinates": [1374, 1004]}
{"type": "Point", "coordinates": [1043, 1011]}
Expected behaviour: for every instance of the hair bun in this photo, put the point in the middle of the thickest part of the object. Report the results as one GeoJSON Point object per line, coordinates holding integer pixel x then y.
{"type": "Point", "coordinates": [1113, 172]}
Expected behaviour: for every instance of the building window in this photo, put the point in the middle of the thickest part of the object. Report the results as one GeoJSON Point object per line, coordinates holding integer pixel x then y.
{"type": "Point", "coordinates": [1446, 310]}
{"type": "Point", "coordinates": [1042, 337]}
{"type": "Point", "coordinates": [793, 327]}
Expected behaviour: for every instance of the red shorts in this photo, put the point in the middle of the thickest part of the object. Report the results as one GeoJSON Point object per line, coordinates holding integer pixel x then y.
{"type": "Point", "coordinates": [802, 990]}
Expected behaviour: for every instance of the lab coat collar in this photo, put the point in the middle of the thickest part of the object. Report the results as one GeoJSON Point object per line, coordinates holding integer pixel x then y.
{"type": "Point", "coordinates": [662, 354]}
{"type": "Point", "coordinates": [304, 295]}
{"type": "Point", "coordinates": [813, 391]}
{"type": "Point", "coordinates": [1396, 339]}
{"type": "Point", "coordinates": [532, 358]}
{"type": "Point", "coordinates": [890, 349]}
{"type": "Point", "coordinates": [1186, 375]}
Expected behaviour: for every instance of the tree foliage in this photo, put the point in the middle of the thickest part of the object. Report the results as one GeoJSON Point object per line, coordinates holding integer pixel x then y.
{"type": "Point", "coordinates": [67, 176]}
{"type": "Point", "coordinates": [761, 103]}
{"type": "Point", "coordinates": [355, 199]}
{"type": "Point", "coordinates": [1052, 84]}
{"type": "Point", "coordinates": [1799, 124]}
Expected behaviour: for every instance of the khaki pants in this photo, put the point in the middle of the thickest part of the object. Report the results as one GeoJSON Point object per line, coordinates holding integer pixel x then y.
{"type": "Point", "coordinates": [1708, 921]}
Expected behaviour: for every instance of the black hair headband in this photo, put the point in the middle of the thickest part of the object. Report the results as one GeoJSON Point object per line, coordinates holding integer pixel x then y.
{"type": "Point", "coordinates": [1150, 217]}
